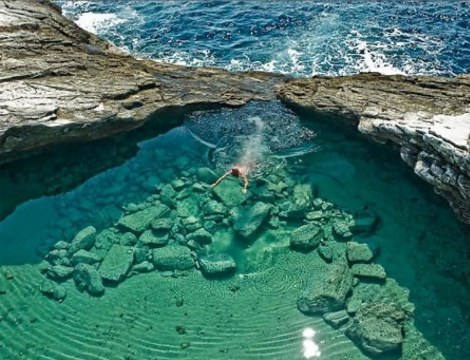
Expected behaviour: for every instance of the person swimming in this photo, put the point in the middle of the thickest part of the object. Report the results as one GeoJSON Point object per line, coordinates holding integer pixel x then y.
{"type": "Point", "coordinates": [237, 171]}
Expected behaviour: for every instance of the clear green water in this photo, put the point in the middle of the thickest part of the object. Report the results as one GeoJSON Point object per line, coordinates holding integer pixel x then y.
{"type": "Point", "coordinates": [252, 314]}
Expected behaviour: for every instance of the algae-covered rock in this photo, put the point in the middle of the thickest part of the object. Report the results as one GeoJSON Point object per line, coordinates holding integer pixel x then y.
{"type": "Point", "coordinates": [250, 221]}
{"type": "Point", "coordinates": [85, 257]}
{"type": "Point", "coordinates": [117, 263]}
{"type": "Point", "coordinates": [217, 264]}
{"type": "Point", "coordinates": [162, 224]}
{"type": "Point", "coordinates": [326, 291]}
{"type": "Point", "coordinates": [138, 222]}
{"type": "Point", "coordinates": [88, 279]}
{"type": "Point", "coordinates": [106, 238]}
{"type": "Point", "coordinates": [375, 271]}
{"type": "Point", "coordinates": [378, 328]}
{"type": "Point", "coordinates": [230, 193]}
{"type": "Point", "coordinates": [85, 239]}
{"type": "Point", "coordinates": [201, 236]}
{"type": "Point", "coordinates": [191, 223]}
{"type": "Point", "coordinates": [358, 252]}
{"type": "Point", "coordinates": [61, 245]}
{"type": "Point", "coordinates": [150, 238]}
{"type": "Point", "coordinates": [53, 290]}
{"type": "Point", "coordinates": [59, 272]}
{"type": "Point", "coordinates": [173, 257]}
{"type": "Point", "coordinates": [301, 201]}
{"type": "Point", "coordinates": [336, 319]}
{"type": "Point", "coordinates": [128, 239]}
{"type": "Point", "coordinates": [188, 207]}
{"type": "Point", "coordinates": [306, 237]}
{"type": "Point", "coordinates": [215, 208]}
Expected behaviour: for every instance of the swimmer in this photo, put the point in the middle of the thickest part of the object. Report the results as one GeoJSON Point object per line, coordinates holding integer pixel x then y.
{"type": "Point", "coordinates": [237, 171]}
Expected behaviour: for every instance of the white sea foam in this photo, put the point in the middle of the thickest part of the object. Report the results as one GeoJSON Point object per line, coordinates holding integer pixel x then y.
{"type": "Point", "coordinates": [96, 22]}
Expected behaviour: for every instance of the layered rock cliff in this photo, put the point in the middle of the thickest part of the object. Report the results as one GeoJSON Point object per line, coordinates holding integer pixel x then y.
{"type": "Point", "coordinates": [59, 83]}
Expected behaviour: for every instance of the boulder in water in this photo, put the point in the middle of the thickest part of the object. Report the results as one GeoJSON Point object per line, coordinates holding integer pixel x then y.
{"type": "Point", "coordinates": [173, 257]}
{"type": "Point", "coordinates": [85, 239]}
{"type": "Point", "coordinates": [87, 278]}
{"type": "Point", "coordinates": [206, 175]}
{"type": "Point", "coordinates": [59, 272]}
{"type": "Point", "coordinates": [327, 290]}
{"type": "Point", "coordinates": [201, 236]}
{"type": "Point", "coordinates": [357, 253]}
{"type": "Point", "coordinates": [230, 193]}
{"type": "Point", "coordinates": [149, 238]}
{"type": "Point", "coordinates": [250, 221]}
{"type": "Point", "coordinates": [85, 257]}
{"type": "Point", "coordinates": [53, 290]}
{"type": "Point", "coordinates": [117, 263]}
{"type": "Point", "coordinates": [217, 264]}
{"type": "Point", "coordinates": [378, 328]}
{"type": "Point", "coordinates": [306, 237]}
{"type": "Point", "coordinates": [139, 221]}
{"type": "Point", "coordinates": [336, 319]}
{"type": "Point", "coordinates": [374, 271]}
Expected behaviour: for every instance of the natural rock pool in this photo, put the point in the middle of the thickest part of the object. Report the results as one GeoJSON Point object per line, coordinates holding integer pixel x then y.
{"type": "Point", "coordinates": [120, 249]}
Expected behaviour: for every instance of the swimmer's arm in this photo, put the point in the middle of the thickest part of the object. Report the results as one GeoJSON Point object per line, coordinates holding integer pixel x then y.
{"type": "Point", "coordinates": [221, 178]}
{"type": "Point", "coordinates": [245, 180]}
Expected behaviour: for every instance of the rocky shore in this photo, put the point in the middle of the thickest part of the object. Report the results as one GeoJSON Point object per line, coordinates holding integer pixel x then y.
{"type": "Point", "coordinates": [59, 83]}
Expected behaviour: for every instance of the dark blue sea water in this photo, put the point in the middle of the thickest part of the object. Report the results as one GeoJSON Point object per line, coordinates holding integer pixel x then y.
{"type": "Point", "coordinates": [302, 38]}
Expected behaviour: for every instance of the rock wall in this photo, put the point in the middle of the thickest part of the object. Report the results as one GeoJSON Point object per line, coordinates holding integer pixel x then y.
{"type": "Point", "coordinates": [428, 118]}
{"type": "Point", "coordinates": [59, 83]}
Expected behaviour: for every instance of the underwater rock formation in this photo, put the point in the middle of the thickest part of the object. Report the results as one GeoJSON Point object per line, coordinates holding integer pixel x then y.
{"type": "Point", "coordinates": [60, 84]}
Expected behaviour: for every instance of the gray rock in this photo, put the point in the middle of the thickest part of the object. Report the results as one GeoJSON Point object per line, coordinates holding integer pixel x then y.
{"type": "Point", "coordinates": [375, 271]}
{"type": "Point", "coordinates": [138, 222]}
{"type": "Point", "coordinates": [85, 239]}
{"type": "Point", "coordinates": [173, 257]}
{"type": "Point", "coordinates": [117, 263]}
{"type": "Point", "coordinates": [250, 221]}
{"type": "Point", "coordinates": [217, 264]}
{"type": "Point", "coordinates": [326, 291]}
{"type": "Point", "coordinates": [201, 236]}
{"type": "Point", "coordinates": [357, 253]}
{"type": "Point", "coordinates": [59, 272]}
{"type": "Point", "coordinates": [88, 279]}
{"type": "Point", "coordinates": [336, 319]}
{"type": "Point", "coordinates": [378, 328]}
{"type": "Point", "coordinates": [53, 290]}
{"type": "Point", "coordinates": [85, 257]}
{"type": "Point", "coordinates": [306, 237]}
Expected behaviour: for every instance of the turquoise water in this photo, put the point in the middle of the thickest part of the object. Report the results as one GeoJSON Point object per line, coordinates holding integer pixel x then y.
{"type": "Point", "coordinates": [251, 314]}
{"type": "Point", "coordinates": [302, 38]}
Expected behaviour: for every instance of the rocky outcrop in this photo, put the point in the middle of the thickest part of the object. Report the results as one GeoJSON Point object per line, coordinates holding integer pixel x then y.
{"type": "Point", "coordinates": [428, 118]}
{"type": "Point", "coordinates": [59, 83]}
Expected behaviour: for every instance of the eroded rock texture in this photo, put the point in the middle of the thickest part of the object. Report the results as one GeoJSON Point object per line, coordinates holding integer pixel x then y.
{"type": "Point", "coordinates": [427, 118]}
{"type": "Point", "coordinates": [59, 83]}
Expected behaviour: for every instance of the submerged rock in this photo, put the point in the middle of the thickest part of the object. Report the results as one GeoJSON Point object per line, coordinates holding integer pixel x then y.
{"type": "Point", "coordinates": [59, 272]}
{"type": "Point", "coordinates": [306, 237]}
{"type": "Point", "coordinates": [378, 328]}
{"type": "Point", "coordinates": [149, 237]}
{"type": "Point", "coordinates": [144, 266]}
{"type": "Point", "coordinates": [326, 291]}
{"type": "Point", "coordinates": [250, 221]}
{"type": "Point", "coordinates": [326, 253]}
{"type": "Point", "coordinates": [117, 263]}
{"type": "Point", "coordinates": [85, 239]}
{"type": "Point", "coordinates": [85, 257]}
{"type": "Point", "coordinates": [364, 222]}
{"type": "Point", "coordinates": [217, 264]}
{"type": "Point", "coordinates": [375, 271]}
{"type": "Point", "coordinates": [230, 193]}
{"type": "Point", "coordinates": [206, 175]}
{"type": "Point", "coordinates": [138, 222]}
{"type": "Point", "coordinates": [173, 257]}
{"type": "Point", "coordinates": [201, 236]}
{"type": "Point", "coordinates": [53, 290]}
{"type": "Point", "coordinates": [301, 201]}
{"type": "Point", "coordinates": [336, 319]}
{"type": "Point", "coordinates": [358, 252]}
{"type": "Point", "coordinates": [341, 229]}
{"type": "Point", "coordinates": [88, 279]}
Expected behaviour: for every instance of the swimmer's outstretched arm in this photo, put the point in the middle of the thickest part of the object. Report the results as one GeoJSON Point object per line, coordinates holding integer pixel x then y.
{"type": "Point", "coordinates": [221, 178]}
{"type": "Point", "coordinates": [245, 186]}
